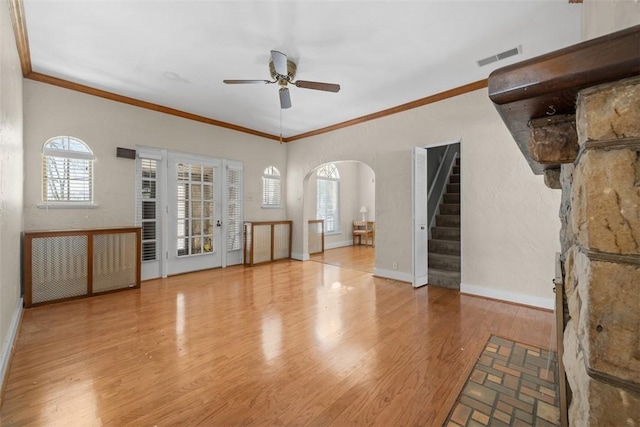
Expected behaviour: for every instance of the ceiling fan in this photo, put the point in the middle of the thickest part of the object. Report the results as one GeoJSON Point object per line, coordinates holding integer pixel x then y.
{"type": "Point", "coordinates": [283, 72]}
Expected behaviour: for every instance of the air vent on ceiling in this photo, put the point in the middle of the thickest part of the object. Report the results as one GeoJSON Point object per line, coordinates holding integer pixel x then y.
{"type": "Point", "coordinates": [500, 56]}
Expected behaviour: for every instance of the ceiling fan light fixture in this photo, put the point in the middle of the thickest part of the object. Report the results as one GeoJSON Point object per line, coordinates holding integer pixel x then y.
{"type": "Point", "coordinates": [283, 72]}
{"type": "Point", "coordinates": [291, 71]}
{"type": "Point", "coordinates": [285, 97]}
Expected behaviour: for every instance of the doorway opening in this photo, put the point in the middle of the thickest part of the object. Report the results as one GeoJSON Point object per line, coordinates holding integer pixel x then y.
{"type": "Point", "coordinates": [190, 208]}
{"type": "Point", "coordinates": [436, 214]}
{"type": "Point", "coordinates": [340, 193]}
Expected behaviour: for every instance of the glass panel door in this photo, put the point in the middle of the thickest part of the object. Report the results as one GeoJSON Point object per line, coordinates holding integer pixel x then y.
{"type": "Point", "coordinates": [195, 214]}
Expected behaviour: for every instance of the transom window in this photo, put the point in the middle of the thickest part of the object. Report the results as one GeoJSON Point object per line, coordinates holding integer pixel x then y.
{"type": "Point", "coordinates": [67, 171]}
{"type": "Point", "coordinates": [271, 188]}
{"type": "Point", "coordinates": [328, 206]}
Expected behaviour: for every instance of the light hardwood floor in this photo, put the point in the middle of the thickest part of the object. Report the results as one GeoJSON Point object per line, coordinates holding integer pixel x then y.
{"type": "Point", "coordinates": [356, 257]}
{"type": "Point", "coordinates": [288, 343]}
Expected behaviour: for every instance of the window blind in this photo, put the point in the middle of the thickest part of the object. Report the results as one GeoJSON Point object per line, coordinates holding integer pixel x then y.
{"type": "Point", "coordinates": [234, 208]}
{"type": "Point", "coordinates": [147, 206]}
{"type": "Point", "coordinates": [67, 179]}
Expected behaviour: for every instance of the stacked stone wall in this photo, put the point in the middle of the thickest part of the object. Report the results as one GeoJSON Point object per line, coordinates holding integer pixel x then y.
{"type": "Point", "coordinates": [600, 243]}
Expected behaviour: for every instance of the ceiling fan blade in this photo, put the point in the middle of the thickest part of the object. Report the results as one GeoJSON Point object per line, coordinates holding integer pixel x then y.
{"type": "Point", "coordinates": [285, 98]}
{"type": "Point", "coordinates": [241, 82]}
{"type": "Point", "coordinates": [279, 62]}
{"type": "Point", "coordinates": [328, 87]}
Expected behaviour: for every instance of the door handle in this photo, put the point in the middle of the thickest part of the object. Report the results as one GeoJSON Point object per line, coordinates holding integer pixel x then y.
{"type": "Point", "coordinates": [218, 224]}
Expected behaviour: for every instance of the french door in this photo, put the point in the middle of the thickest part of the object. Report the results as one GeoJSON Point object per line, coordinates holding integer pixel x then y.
{"type": "Point", "coordinates": [195, 213]}
{"type": "Point", "coordinates": [191, 212]}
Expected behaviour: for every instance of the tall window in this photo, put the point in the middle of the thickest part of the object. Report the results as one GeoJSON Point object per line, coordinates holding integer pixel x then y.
{"type": "Point", "coordinates": [328, 207]}
{"type": "Point", "coordinates": [67, 171]}
{"type": "Point", "coordinates": [271, 188]}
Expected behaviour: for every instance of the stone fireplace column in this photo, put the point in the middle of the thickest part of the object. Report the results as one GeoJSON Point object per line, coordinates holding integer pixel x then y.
{"type": "Point", "coordinates": [600, 242]}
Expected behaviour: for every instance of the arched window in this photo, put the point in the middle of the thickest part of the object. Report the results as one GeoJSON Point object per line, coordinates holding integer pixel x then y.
{"type": "Point", "coordinates": [328, 206]}
{"type": "Point", "coordinates": [67, 171]}
{"type": "Point", "coordinates": [271, 188]}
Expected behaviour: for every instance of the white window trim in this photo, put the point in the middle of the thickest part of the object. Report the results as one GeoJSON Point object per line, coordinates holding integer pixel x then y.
{"type": "Point", "coordinates": [274, 177]}
{"type": "Point", "coordinates": [69, 154]}
{"type": "Point", "coordinates": [67, 205]}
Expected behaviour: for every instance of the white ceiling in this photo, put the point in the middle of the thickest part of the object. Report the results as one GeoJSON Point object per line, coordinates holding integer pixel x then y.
{"type": "Point", "coordinates": [176, 53]}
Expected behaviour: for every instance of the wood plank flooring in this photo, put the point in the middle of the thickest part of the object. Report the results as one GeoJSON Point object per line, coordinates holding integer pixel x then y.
{"type": "Point", "coordinates": [288, 343]}
{"type": "Point", "coordinates": [357, 257]}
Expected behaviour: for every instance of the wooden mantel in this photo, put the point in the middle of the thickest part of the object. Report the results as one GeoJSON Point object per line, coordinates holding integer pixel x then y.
{"type": "Point", "coordinates": [548, 85]}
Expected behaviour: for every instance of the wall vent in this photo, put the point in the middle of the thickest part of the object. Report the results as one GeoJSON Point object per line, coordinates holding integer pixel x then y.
{"type": "Point", "coordinates": [126, 153]}
{"type": "Point", "coordinates": [500, 56]}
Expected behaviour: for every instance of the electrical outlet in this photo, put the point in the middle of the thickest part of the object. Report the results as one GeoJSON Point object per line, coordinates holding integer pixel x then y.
{"type": "Point", "coordinates": [395, 265]}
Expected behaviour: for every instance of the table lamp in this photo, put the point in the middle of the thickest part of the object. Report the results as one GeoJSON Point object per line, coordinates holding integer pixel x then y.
{"type": "Point", "coordinates": [363, 211]}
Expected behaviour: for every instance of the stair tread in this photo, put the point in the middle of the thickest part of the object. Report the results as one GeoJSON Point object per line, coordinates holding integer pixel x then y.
{"type": "Point", "coordinates": [447, 273]}
{"type": "Point", "coordinates": [442, 240]}
{"type": "Point", "coordinates": [448, 220]}
{"type": "Point", "coordinates": [445, 256]}
{"type": "Point", "coordinates": [443, 246]}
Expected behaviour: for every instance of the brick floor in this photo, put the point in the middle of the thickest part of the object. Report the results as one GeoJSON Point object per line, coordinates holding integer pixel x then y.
{"type": "Point", "coordinates": [512, 384]}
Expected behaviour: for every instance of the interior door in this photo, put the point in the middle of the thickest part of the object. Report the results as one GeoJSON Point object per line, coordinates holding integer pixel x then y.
{"type": "Point", "coordinates": [194, 213]}
{"type": "Point", "coordinates": [420, 218]}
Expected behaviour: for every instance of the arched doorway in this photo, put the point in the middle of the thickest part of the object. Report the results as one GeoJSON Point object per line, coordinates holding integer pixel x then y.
{"type": "Point", "coordinates": [340, 192]}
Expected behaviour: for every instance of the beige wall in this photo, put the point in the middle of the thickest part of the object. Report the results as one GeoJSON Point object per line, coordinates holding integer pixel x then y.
{"type": "Point", "coordinates": [367, 192]}
{"type": "Point", "coordinates": [11, 177]}
{"type": "Point", "coordinates": [600, 17]}
{"type": "Point", "coordinates": [104, 125]}
{"type": "Point", "coordinates": [509, 218]}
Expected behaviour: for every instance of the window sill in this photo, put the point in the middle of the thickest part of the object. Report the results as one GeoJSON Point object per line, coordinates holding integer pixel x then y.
{"type": "Point", "coordinates": [271, 207]}
{"type": "Point", "coordinates": [67, 206]}
{"type": "Point", "coordinates": [332, 233]}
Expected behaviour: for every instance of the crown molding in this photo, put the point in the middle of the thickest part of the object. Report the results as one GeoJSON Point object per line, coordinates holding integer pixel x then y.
{"type": "Point", "coordinates": [22, 41]}
{"type": "Point", "coordinates": [16, 9]}
{"type": "Point", "coordinates": [470, 87]}
{"type": "Point", "coordinates": [43, 78]}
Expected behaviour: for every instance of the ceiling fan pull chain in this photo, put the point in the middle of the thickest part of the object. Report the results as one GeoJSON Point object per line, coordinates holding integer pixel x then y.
{"type": "Point", "coordinates": [281, 126]}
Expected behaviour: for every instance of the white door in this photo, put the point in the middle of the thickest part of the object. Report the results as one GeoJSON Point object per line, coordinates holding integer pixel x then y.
{"type": "Point", "coordinates": [194, 213]}
{"type": "Point", "coordinates": [420, 227]}
{"type": "Point", "coordinates": [233, 212]}
{"type": "Point", "coordinates": [150, 181]}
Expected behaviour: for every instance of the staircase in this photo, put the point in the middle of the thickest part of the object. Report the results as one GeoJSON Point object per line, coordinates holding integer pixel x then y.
{"type": "Point", "coordinates": [444, 245]}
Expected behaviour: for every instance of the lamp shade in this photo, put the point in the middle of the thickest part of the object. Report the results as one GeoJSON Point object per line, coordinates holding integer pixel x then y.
{"type": "Point", "coordinates": [363, 209]}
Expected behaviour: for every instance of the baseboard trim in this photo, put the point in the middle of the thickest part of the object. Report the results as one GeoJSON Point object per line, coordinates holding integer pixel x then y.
{"type": "Point", "coordinates": [529, 300]}
{"type": "Point", "coordinates": [338, 244]}
{"type": "Point", "coordinates": [300, 257]}
{"type": "Point", "coordinates": [393, 274]}
{"type": "Point", "coordinates": [9, 344]}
